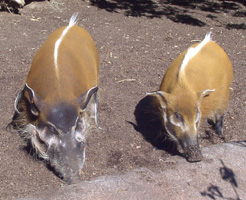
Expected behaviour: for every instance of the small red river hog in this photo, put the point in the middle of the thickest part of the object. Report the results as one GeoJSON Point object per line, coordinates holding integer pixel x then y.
{"type": "Point", "coordinates": [57, 106]}
{"type": "Point", "coordinates": [195, 86]}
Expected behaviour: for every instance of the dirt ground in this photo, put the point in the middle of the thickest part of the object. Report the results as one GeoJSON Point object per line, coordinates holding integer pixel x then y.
{"type": "Point", "coordinates": [136, 43]}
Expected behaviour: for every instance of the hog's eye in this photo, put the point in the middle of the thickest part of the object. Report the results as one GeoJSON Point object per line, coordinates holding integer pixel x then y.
{"type": "Point", "coordinates": [178, 117]}
{"type": "Point", "coordinates": [52, 129]}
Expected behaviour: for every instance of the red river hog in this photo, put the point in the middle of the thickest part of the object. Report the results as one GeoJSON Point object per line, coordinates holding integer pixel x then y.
{"type": "Point", "coordinates": [195, 86]}
{"type": "Point", "coordinates": [57, 106]}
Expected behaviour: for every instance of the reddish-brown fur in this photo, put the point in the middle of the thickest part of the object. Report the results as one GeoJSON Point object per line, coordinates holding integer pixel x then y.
{"type": "Point", "coordinates": [199, 91]}
{"type": "Point", "coordinates": [58, 103]}
{"type": "Point", "coordinates": [77, 72]}
{"type": "Point", "coordinates": [209, 69]}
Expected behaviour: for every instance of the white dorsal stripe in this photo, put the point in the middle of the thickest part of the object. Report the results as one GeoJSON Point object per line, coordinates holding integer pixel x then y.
{"type": "Point", "coordinates": [73, 21]}
{"type": "Point", "coordinates": [193, 51]}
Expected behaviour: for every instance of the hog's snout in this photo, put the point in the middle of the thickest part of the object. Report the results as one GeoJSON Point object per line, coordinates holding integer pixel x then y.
{"type": "Point", "coordinates": [67, 157]}
{"type": "Point", "coordinates": [191, 148]}
{"type": "Point", "coordinates": [193, 153]}
{"type": "Point", "coordinates": [72, 179]}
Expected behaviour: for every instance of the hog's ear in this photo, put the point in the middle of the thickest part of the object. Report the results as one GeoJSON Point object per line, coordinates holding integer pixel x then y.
{"type": "Point", "coordinates": [89, 103]}
{"type": "Point", "coordinates": [33, 99]}
{"type": "Point", "coordinates": [162, 97]}
{"type": "Point", "coordinates": [203, 94]}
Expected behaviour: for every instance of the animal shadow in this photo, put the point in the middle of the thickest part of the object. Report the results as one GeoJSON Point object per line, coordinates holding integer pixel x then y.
{"type": "Point", "coordinates": [148, 115]}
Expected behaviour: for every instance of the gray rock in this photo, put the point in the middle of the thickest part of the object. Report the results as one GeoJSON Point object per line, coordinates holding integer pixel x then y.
{"type": "Point", "coordinates": [221, 175]}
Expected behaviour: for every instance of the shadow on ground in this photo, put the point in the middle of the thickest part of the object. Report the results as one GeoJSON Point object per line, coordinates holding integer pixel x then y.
{"type": "Point", "coordinates": [148, 117]}
{"type": "Point", "coordinates": [227, 174]}
{"type": "Point", "coordinates": [179, 11]}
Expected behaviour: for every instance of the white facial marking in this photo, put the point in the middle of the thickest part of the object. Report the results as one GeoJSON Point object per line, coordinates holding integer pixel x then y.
{"type": "Point", "coordinates": [52, 140]}
{"type": "Point", "coordinates": [83, 160]}
{"type": "Point", "coordinates": [193, 51]}
{"type": "Point", "coordinates": [179, 124]}
{"type": "Point", "coordinates": [78, 134]}
{"type": "Point", "coordinates": [195, 127]}
{"type": "Point", "coordinates": [96, 115]}
{"type": "Point", "coordinates": [171, 136]}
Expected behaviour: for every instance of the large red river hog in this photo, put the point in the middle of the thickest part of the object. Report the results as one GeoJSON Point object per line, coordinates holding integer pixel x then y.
{"type": "Point", "coordinates": [57, 106]}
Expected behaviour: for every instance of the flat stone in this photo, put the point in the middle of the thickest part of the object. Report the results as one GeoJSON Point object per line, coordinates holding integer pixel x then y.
{"type": "Point", "coordinates": [220, 175]}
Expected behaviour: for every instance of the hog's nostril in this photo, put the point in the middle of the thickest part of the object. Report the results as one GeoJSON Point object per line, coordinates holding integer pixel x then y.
{"type": "Point", "coordinates": [193, 154]}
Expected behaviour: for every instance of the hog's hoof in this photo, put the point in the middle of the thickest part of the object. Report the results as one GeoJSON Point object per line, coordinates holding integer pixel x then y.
{"type": "Point", "coordinates": [193, 154]}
